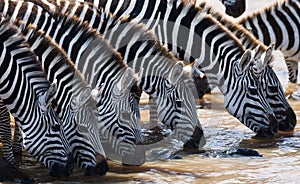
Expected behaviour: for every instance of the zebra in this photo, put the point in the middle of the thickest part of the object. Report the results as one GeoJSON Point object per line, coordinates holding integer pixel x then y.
{"type": "Point", "coordinates": [182, 28]}
{"type": "Point", "coordinates": [271, 84]}
{"type": "Point", "coordinates": [73, 95]}
{"type": "Point", "coordinates": [278, 23]}
{"type": "Point", "coordinates": [234, 8]}
{"type": "Point", "coordinates": [28, 96]}
{"type": "Point", "coordinates": [5, 134]}
{"type": "Point", "coordinates": [172, 95]}
{"type": "Point", "coordinates": [105, 69]}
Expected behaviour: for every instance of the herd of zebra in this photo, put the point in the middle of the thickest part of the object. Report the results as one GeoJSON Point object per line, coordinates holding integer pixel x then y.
{"type": "Point", "coordinates": [72, 73]}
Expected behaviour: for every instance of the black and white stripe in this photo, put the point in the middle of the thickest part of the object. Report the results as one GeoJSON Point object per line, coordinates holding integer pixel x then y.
{"type": "Point", "coordinates": [134, 49]}
{"type": "Point", "coordinates": [272, 86]}
{"type": "Point", "coordinates": [27, 94]}
{"type": "Point", "coordinates": [279, 24]}
{"type": "Point", "coordinates": [100, 65]}
{"type": "Point", "coordinates": [73, 98]}
{"type": "Point", "coordinates": [194, 35]}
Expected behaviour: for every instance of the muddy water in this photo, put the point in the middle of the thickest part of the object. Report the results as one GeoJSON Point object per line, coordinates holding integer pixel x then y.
{"type": "Point", "coordinates": [280, 161]}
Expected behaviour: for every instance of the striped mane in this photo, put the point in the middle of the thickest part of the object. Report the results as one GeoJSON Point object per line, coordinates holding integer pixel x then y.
{"type": "Point", "coordinates": [239, 30]}
{"type": "Point", "coordinates": [267, 9]}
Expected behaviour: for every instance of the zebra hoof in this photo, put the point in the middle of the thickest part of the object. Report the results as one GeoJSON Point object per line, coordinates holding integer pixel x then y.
{"type": "Point", "coordinates": [100, 169]}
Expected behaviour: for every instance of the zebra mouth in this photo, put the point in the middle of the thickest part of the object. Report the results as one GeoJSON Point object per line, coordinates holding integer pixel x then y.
{"type": "Point", "coordinates": [270, 131]}
{"type": "Point", "coordinates": [290, 121]}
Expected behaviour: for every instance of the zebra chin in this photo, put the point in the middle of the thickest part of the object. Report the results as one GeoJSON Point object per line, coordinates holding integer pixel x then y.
{"type": "Point", "coordinates": [270, 131]}
{"type": "Point", "coordinates": [60, 170]}
{"type": "Point", "coordinates": [289, 122]}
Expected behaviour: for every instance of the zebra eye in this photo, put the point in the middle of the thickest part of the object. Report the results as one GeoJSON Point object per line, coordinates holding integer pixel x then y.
{"type": "Point", "coordinates": [273, 89]}
{"type": "Point", "coordinates": [252, 90]}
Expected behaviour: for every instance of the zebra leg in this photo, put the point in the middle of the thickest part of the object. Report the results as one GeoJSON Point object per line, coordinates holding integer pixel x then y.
{"type": "Point", "coordinates": [292, 66]}
{"type": "Point", "coordinates": [17, 141]}
{"type": "Point", "coordinates": [5, 134]}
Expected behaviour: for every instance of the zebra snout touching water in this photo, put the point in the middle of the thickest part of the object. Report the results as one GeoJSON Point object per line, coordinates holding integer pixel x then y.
{"type": "Point", "coordinates": [143, 52]}
{"type": "Point", "coordinates": [279, 24]}
{"type": "Point", "coordinates": [266, 75]}
{"type": "Point", "coordinates": [195, 36]}
{"type": "Point", "coordinates": [73, 99]}
{"type": "Point", "coordinates": [28, 95]}
{"type": "Point", "coordinates": [101, 66]}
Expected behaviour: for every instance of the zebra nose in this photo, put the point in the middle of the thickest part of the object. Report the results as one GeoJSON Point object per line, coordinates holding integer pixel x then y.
{"type": "Point", "coordinates": [273, 128]}
{"type": "Point", "coordinates": [290, 121]}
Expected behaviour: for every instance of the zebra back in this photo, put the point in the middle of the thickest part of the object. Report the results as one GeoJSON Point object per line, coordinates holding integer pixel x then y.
{"type": "Point", "coordinates": [26, 92]}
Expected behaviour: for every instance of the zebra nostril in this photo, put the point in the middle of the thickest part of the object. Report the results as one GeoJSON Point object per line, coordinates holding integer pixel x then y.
{"type": "Point", "coordinates": [274, 125]}
{"type": "Point", "coordinates": [56, 128]}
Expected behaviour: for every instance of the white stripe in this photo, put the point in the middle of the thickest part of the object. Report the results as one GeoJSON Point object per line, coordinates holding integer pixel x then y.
{"type": "Point", "coordinates": [142, 13]}
{"type": "Point", "coordinates": [16, 11]}
{"type": "Point", "coordinates": [153, 14]}
{"type": "Point", "coordinates": [176, 28]}
{"type": "Point", "coordinates": [130, 8]}
{"type": "Point", "coordinates": [165, 22]}
{"type": "Point", "coordinates": [192, 33]}
{"type": "Point", "coordinates": [107, 5]}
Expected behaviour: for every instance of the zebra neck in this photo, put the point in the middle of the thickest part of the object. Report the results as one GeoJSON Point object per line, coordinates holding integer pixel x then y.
{"type": "Point", "coordinates": [19, 92]}
{"type": "Point", "coordinates": [248, 40]}
{"type": "Point", "coordinates": [278, 23]}
{"type": "Point", "coordinates": [58, 69]}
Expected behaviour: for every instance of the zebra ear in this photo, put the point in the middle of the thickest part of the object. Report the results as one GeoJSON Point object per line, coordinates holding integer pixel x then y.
{"type": "Point", "coordinates": [51, 93]}
{"type": "Point", "coordinates": [258, 53]}
{"type": "Point", "coordinates": [269, 54]}
{"type": "Point", "coordinates": [46, 99]}
{"type": "Point", "coordinates": [176, 72]}
{"type": "Point", "coordinates": [245, 60]}
{"type": "Point", "coordinates": [126, 82]}
{"type": "Point", "coordinates": [81, 99]}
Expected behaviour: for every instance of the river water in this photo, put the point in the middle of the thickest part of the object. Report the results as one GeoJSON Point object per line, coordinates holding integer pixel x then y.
{"type": "Point", "coordinates": [279, 161]}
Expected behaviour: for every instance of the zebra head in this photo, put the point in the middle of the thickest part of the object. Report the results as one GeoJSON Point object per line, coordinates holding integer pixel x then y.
{"type": "Point", "coordinates": [273, 89]}
{"type": "Point", "coordinates": [120, 113]}
{"type": "Point", "coordinates": [246, 100]}
{"type": "Point", "coordinates": [176, 107]}
{"type": "Point", "coordinates": [54, 150]}
{"type": "Point", "coordinates": [85, 112]}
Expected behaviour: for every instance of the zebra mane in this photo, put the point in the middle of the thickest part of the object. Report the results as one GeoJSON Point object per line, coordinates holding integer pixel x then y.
{"type": "Point", "coordinates": [267, 9]}
{"type": "Point", "coordinates": [18, 38]}
{"type": "Point", "coordinates": [239, 29]}
{"type": "Point", "coordinates": [214, 21]}
{"type": "Point", "coordinates": [60, 53]}
{"type": "Point", "coordinates": [89, 33]}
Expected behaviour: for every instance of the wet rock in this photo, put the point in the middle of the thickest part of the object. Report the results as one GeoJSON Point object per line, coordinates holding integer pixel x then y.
{"type": "Point", "coordinates": [12, 174]}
